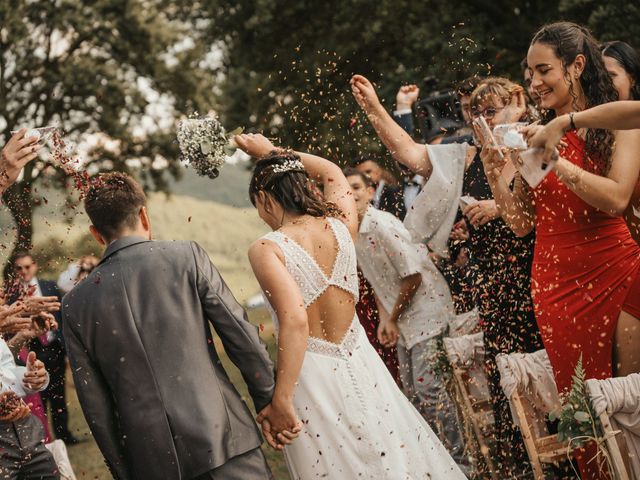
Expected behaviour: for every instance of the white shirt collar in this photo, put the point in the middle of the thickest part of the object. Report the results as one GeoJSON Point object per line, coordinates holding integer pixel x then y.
{"type": "Point", "coordinates": [367, 219]}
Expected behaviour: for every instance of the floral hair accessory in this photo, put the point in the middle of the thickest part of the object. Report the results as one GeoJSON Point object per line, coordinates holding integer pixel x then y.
{"type": "Point", "coordinates": [290, 165]}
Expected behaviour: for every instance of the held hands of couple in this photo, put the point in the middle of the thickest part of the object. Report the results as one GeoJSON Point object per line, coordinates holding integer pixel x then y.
{"type": "Point", "coordinates": [35, 378]}
{"type": "Point", "coordinates": [280, 423]}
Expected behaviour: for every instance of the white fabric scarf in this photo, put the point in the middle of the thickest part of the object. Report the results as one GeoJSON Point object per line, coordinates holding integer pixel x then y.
{"type": "Point", "coordinates": [431, 217]}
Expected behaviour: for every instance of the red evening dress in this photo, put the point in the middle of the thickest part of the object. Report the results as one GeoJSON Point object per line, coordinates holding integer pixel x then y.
{"type": "Point", "coordinates": [585, 271]}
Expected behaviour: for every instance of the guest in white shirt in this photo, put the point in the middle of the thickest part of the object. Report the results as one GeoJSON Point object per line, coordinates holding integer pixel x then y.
{"type": "Point", "coordinates": [415, 307]}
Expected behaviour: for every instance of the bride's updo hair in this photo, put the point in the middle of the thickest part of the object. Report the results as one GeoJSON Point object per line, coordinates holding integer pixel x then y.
{"type": "Point", "coordinates": [282, 175]}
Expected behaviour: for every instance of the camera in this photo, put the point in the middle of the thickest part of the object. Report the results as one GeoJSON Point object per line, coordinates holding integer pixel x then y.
{"type": "Point", "coordinates": [438, 112]}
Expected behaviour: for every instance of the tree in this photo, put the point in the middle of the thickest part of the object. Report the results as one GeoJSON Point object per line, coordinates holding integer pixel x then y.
{"type": "Point", "coordinates": [288, 63]}
{"type": "Point", "coordinates": [612, 20]}
{"type": "Point", "coordinates": [116, 71]}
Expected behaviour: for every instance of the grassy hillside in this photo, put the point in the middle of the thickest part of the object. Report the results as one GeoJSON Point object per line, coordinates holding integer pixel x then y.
{"type": "Point", "coordinates": [230, 188]}
{"type": "Point", "coordinates": [225, 232]}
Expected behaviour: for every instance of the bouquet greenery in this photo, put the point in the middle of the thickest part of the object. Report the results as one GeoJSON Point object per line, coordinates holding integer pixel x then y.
{"type": "Point", "coordinates": [205, 144]}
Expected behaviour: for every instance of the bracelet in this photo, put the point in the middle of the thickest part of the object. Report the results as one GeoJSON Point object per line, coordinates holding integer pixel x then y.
{"type": "Point", "coordinates": [572, 125]}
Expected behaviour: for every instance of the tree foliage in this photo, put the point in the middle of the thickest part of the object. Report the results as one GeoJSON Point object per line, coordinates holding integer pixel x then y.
{"type": "Point", "coordinates": [116, 72]}
{"type": "Point", "coordinates": [287, 64]}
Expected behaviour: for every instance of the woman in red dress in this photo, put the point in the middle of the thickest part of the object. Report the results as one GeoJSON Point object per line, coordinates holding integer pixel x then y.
{"type": "Point", "coordinates": [585, 281]}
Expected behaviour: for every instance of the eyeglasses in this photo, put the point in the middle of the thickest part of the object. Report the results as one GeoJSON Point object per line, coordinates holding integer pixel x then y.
{"type": "Point", "coordinates": [488, 112]}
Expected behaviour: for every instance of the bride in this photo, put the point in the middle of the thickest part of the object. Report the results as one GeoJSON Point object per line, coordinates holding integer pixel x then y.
{"type": "Point", "coordinates": [330, 383]}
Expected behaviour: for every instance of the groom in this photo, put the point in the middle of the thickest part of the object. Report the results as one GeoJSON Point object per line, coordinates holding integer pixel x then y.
{"type": "Point", "coordinates": [148, 376]}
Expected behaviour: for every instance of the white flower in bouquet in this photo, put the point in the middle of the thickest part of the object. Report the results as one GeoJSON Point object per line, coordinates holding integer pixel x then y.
{"type": "Point", "coordinates": [205, 144]}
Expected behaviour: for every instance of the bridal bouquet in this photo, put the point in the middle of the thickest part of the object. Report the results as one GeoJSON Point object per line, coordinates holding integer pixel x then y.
{"type": "Point", "coordinates": [204, 144]}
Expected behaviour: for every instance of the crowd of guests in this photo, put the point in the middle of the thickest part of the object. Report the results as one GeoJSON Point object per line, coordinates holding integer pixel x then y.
{"type": "Point", "coordinates": [34, 362]}
{"type": "Point", "coordinates": [554, 267]}
{"type": "Point", "coordinates": [536, 264]}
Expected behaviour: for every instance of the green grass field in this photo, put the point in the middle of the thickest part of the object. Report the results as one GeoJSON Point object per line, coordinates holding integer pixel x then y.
{"type": "Point", "coordinates": [86, 458]}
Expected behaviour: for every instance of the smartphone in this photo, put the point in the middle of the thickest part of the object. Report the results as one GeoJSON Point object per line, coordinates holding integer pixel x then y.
{"type": "Point", "coordinates": [482, 124]}
{"type": "Point", "coordinates": [467, 200]}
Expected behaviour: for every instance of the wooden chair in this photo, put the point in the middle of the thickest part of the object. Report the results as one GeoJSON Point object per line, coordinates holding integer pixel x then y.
{"type": "Point", "coordinates": [615, 442]}
{"type": "Point", "coordinates": [471, 389]}
{"type": "Point", "coordinates": [612, 439]}
{"type": "Point", "coordinates": [542, 447]}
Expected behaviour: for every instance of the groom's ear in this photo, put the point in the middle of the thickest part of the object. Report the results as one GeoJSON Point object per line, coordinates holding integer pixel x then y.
{"type": "Point", "coordinates": [144, 219]}
{"type": "Point", "coordinates": [96, 235]}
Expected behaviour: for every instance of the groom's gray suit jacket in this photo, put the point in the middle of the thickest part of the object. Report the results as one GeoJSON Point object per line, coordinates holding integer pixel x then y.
{"type": "Point", "coordinates": [148, 377]}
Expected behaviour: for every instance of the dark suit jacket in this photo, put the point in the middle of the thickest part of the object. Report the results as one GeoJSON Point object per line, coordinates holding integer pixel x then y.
{"type": "Point", "coordinates": [148, 377]}
{"type": "Point", "coordinates": [392, 201]}
{"type": "Point", "coordinates": [405, 120]}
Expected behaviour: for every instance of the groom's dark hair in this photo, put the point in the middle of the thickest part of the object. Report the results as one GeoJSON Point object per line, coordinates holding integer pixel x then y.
{"type": "Point", "coordinates": [113, 202]}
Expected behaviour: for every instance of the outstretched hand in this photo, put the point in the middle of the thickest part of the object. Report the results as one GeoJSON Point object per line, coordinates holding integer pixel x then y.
{"type": "Point", "coordinates": [12, 408]}
{"type": "Point", "coordinates": [36, 305]}
{"type": "Point", "coordinates": [481, 212]}
{"type": "Point", "coordinates": [516, 107]}
{"type": "Point", "coordinates": [280, 424]}
{"type": "Point", "coordinates": [548, 137]}
{"type": "Point", "coordinates": [17, 152]}
{"type": "Point", "coordinates": [254, 144]}
{"type": "Point", "coordinates": [365, 93]}
{"type": "Point", "coordinates": [35, 378]}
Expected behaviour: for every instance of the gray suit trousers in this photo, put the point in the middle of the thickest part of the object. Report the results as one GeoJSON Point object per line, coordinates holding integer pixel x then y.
{"type": "Point", "coordinates": [248, 466]}
{"type": "Point", "coordinates": [23, 455]}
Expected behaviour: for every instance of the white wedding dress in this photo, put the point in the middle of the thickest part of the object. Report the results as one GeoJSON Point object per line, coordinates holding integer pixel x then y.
{"type": "Point", "coordinates": [357, 424]}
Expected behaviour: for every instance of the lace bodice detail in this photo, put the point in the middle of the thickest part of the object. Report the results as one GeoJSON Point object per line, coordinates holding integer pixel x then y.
{"type": "Point", "coordinates": [307, 273]}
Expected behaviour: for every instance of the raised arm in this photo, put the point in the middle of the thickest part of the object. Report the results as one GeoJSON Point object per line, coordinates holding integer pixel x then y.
{"type": "Point", "coordinates": [285, 298]}
{"type": "Point", "coordinates": [610, 194]}
{"type": "Point", "coordinates": [17, 152]}
{"type": "Point", "coordinates": [335, 187]}
{"type": "Point", "coordinates": [612, 116]}
{"type": "Point", "coordinates": [402, 147]}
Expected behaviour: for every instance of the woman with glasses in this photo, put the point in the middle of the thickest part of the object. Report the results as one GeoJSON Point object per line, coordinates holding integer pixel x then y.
{"type": "Point", "coordinates": [499, 260]}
